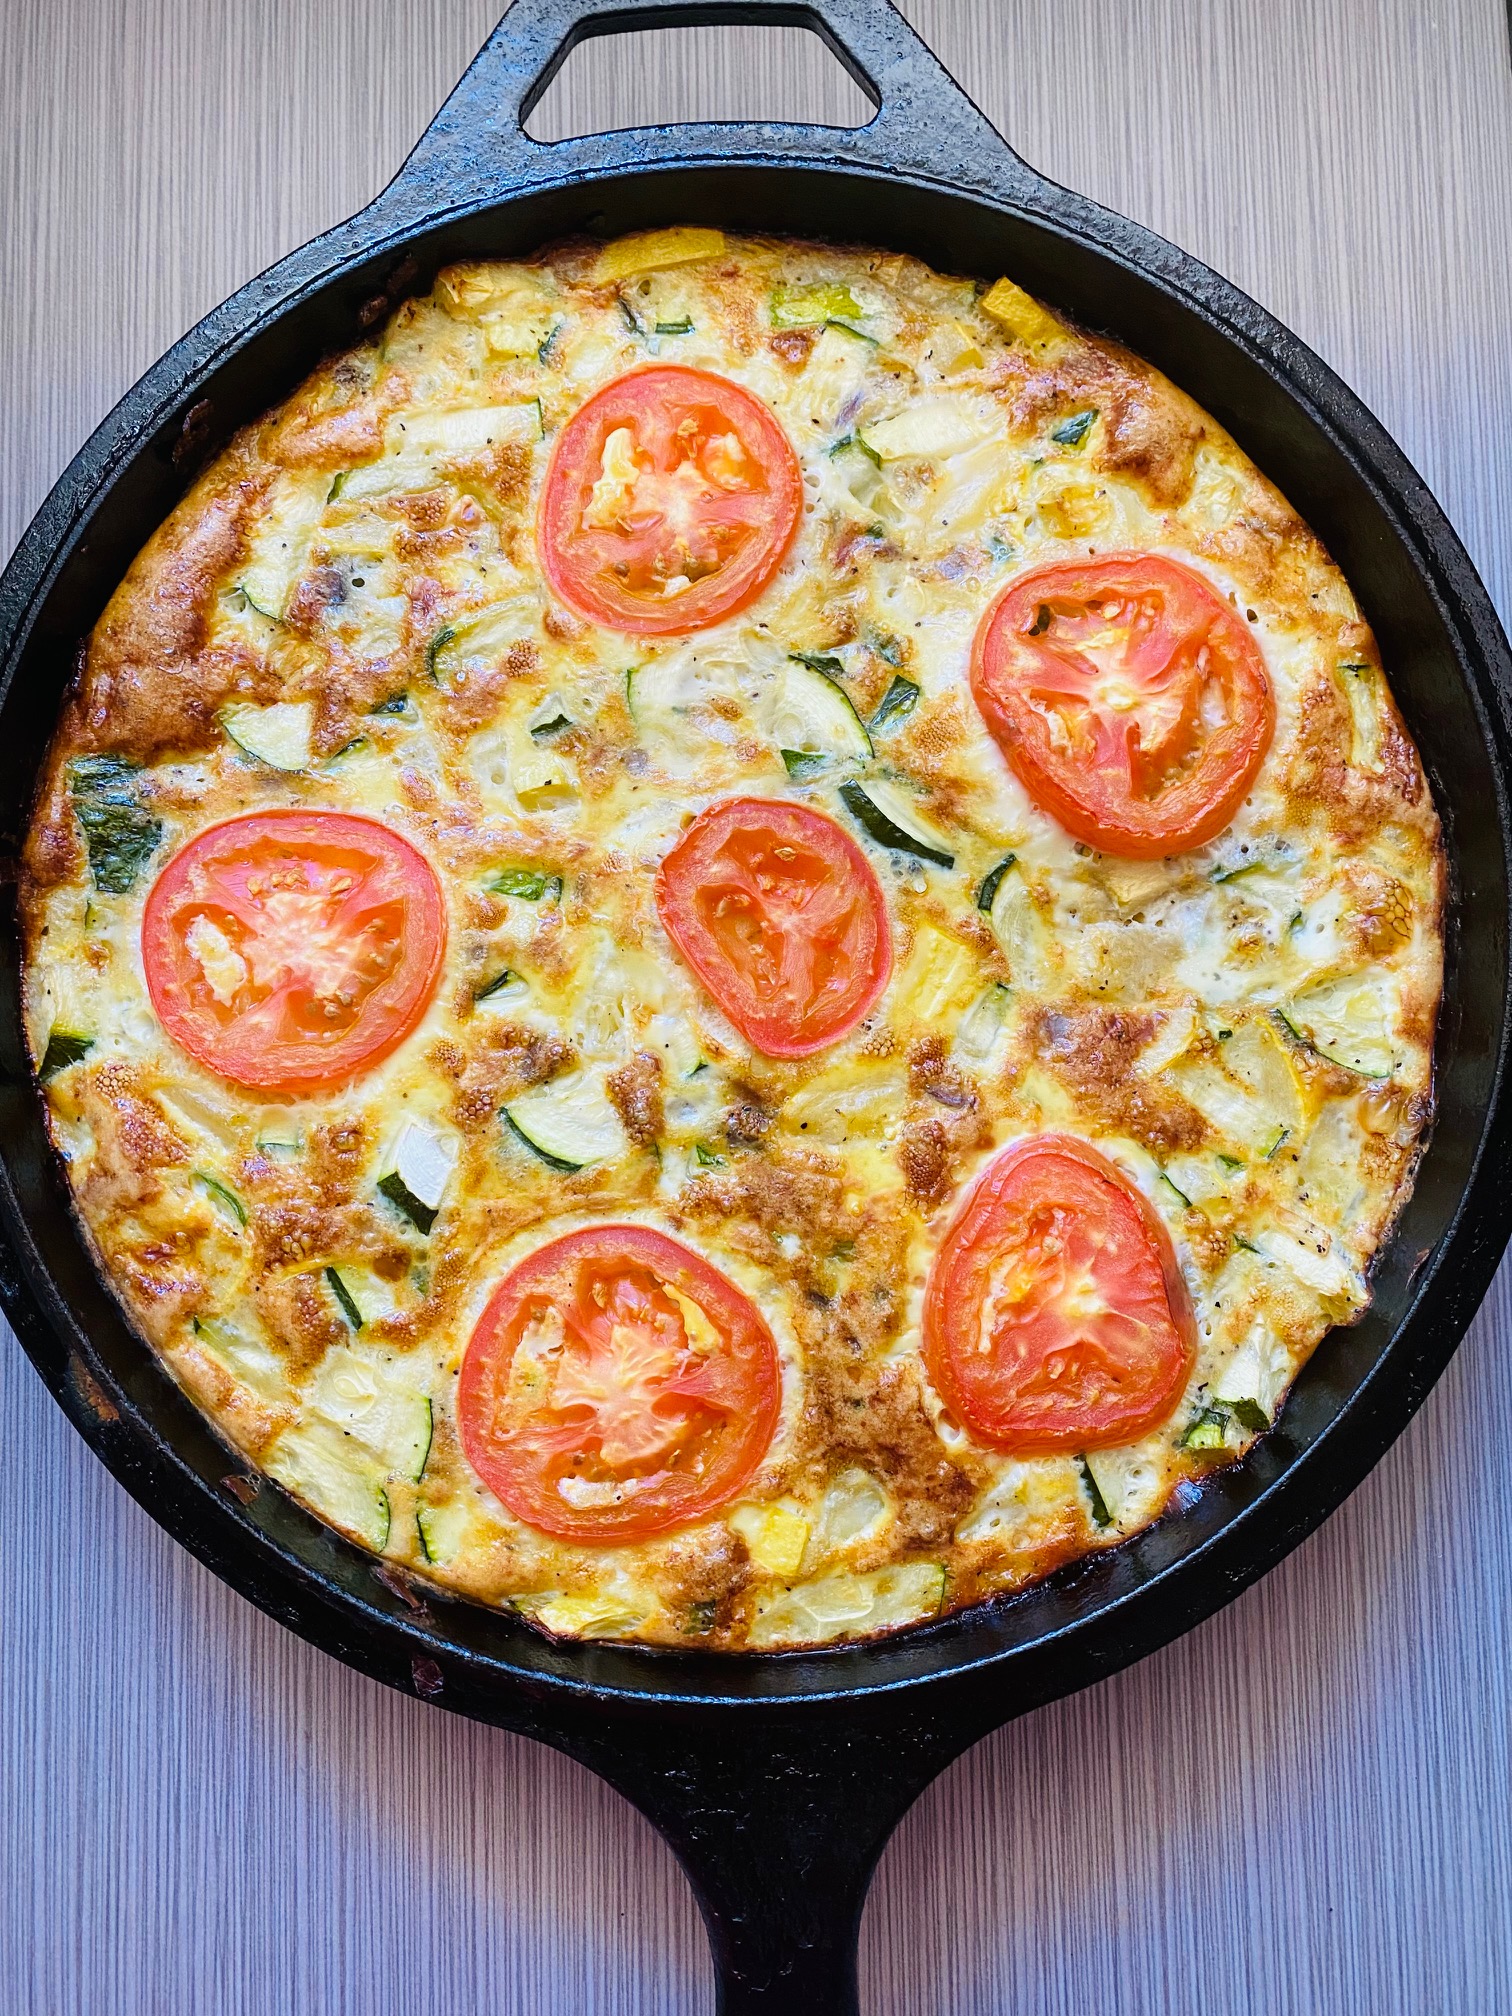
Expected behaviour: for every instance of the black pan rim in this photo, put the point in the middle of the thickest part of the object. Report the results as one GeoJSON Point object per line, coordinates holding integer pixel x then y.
{"type": "Point", "coordinates": [381, 1640]}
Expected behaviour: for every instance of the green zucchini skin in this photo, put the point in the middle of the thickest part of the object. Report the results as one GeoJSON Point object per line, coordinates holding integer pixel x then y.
{"type": "Point", "coordinates": [120, 834]}
{"type": "Point", "coordinates": [886, 832]}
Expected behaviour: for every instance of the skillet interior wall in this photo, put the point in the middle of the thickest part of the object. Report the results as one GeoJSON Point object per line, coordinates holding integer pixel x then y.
{"type": "Point", "coordinates": [955, 234]}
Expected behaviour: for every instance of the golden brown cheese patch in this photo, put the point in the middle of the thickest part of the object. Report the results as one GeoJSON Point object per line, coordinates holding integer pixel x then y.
{"type": "Point", "coordinates": [1246, 1029]}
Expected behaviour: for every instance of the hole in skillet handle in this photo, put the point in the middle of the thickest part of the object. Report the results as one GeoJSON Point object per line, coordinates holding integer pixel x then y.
{"type": "Point", "coordinates": [476, 152]}
{"type": "Point", "coordinates": [676, 76]}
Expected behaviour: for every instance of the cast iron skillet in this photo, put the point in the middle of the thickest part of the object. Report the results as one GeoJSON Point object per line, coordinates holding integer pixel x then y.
{"type": "Point", "coordinates": [777, 1779]}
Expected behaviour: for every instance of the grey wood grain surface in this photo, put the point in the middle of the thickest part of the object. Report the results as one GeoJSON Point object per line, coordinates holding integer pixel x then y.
{"type": "Point", "coordinates": [1306, 1806]}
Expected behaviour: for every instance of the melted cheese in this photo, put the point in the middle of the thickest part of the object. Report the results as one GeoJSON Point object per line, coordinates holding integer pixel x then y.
{"type": "Point", "coordinates": [1246, 1029]}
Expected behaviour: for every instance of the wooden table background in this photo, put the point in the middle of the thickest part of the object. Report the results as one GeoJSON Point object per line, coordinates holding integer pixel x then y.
{"type": "Point", "coordinates": [1305, 1806]}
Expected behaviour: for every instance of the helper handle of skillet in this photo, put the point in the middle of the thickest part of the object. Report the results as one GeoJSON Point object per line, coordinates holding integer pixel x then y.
{"type": "Point", "coordinates": [476, 148]}
{"type": "Point", "coordinates": [778, 1824]}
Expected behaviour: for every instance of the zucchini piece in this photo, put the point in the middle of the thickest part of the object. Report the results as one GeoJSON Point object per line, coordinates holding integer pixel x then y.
{"type": "Point", "coordinates": [396, 703]}
{"type": "Point", "coordinates": [361, 1398]}
{"type": "Point", "coordinates": [528, 884]}
{"type": "Point", "coordinates": [897, 703]}
{"type": "Point", "coordinates": [247, 1358]}
{"type": "Point", "coordinates": [419, 1178]}
{"type": "Point", "coordinates": [1206, 1430]}
{"type": "Point", "coordinates": [224, 1199]}
{"type": "Point", "coordinates": [982, 1024]}
{"type": "Point", "coordinates": [820, 661]}
{"type": "Point", "coordinates": [120, 835]}
{"type": "Point", "coordinates": [856, 444]}
{"type": "Point", "coordinates": [544, 730]}
{"type": "Point", "coordinates": [460, 433]}
{"type": "Point", "coordinates": [569, 1124]}
{"type": "Point", "coordinates": [852, 1508]}
{"type": "Point", "coordinates": [442, 1529]}
{"type": "Point", "coordinates": [833, 376]}
{"type": "Point", "coordinates": [506, 983]}
{"type": "Point", "coordinates": [245, 593]}
{"type": "Point", "coordinates": [706, 1157]}
{"type": "Point", "coordinates": [1251, 1416]}
{"type": "Point", "coordinates": [334, 1475]}
{"type": "Point", "coordinates": [683, 326]}
{"type": "Point", "coordinates": [420, 447]}
{"type": "Point", "coordinates": [1020, 930]}
{"type": "Point", "coordinates": [1101, 1516]}
{"type": "Point", "coordinates": [278, 735]}
{"type": "Point", "coordinates": [810, 713]}
{"type": "Point", "coordinates": [938, 428]}
{"type": "Point", "coordinates": [802, 764]}
{"type": "Point", "coordinates": [424, 1162]}
{"type": "Point", "coordinates": [843, 1606]}
{"type": "Point", "coordinates": [444, 636]}
{"type": "Point", "coordinates": [1345, 1022]}
{"type": "Point", "coordinates": [987, 889]}
{"type": "Point", "coordinates": [1359, 683]}
{"type": "Point", "coordinates": [405, 1202]}
{"type": "Point", "coordinates": [861, 473]}
{"type": "Point", "coordinates": [1075, 428]}
{"type": "Point", "coordinates": [64, 1048]}
{"type": "Point", "coordinates": [1231, 1108]}
{"type": "Point", "coordinates": [886, 816]}
{"type": "Point", "coordinates": [812, 306]}
{"type": "Point", "coordinates": [280, 1149]}
{"type": "Point", "coordinates": [345, 1300]}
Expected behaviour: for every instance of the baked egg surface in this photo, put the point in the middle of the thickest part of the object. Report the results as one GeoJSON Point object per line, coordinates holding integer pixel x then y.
{"type": "Point", "coordinates": [731, 943]}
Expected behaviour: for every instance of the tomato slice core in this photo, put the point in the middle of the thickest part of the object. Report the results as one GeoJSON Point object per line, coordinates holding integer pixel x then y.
{"type": "Point", "coordinates": [617, 1386]}
{"type": "Point", "coordinates": [1056, 1317]}
{"type": "Point", "coordinates": [289, 951]}
{"type": "Point", "coordinates": [671, 498]}
{"type": "Point", "coordinates": [782, 918]}
{"type": "Point", "coordinates": [1129, 697]}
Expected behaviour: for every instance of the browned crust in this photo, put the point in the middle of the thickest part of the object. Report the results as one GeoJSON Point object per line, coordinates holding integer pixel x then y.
{"type": "Point", "coordinates": [151, 681]}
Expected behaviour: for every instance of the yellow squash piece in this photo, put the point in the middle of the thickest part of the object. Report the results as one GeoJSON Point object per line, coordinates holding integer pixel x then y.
{"type": "Point", "coordinates": [649, 251]}
{"type": "Point", "coordinates": [1020, 314]}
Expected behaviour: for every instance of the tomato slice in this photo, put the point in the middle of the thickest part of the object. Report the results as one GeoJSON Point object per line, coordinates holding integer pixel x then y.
{"type": "Point", "coordinates": [779, 914]}
{"type": "Point", "coordinates": [670, 500]}
{"type": "Point", "coordinates": [1056, 1316]}
{"type": "Point", "coordinates": [1130, 699]}
{"type": "Point", "coordinates": [617, 1386]}
{"type": "Point", "coordinates": [289, 951]}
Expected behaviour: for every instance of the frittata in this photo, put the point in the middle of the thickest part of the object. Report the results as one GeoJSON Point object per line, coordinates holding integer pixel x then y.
{"type": "Point", "coordinates": [731, 943]}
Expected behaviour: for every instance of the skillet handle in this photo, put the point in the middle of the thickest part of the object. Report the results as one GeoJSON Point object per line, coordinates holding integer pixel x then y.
{"type": "Point", "coordinates": [778, 1826]}
{"type": "Point", "coordinates": [476, 151]}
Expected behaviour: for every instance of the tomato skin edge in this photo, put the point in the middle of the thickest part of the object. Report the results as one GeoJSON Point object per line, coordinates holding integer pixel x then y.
{"type": "Point", "coordinates": [691, 612]}
{"type": "Point", "coordinates": [668, 902]}
{"type": "Point", "coordinates": [722, 1297]}
{"type": "Point", "coordinates": [262, 1074]}
{"type": "Point", "coordinates": [935, 1345]}
{"type": "Point", "coordinates": [1105, 833]}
